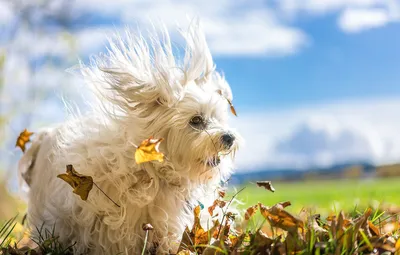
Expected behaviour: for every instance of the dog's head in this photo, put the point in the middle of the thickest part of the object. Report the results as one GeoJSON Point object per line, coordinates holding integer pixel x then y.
{"type": "Point", "coordinates": [185, 101]}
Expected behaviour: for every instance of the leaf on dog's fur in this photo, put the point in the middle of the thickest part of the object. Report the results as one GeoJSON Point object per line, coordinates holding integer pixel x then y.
{"type": "Point", "coordinates": [250, 212]}
{"type": "Point", "coordinates": [148, 150]}
{"type": "Point", "coordinates": [81, 184]}
{"type": "Point", "coordinates": [232, 108]}
{"type": "Point", "coordinates": [266, 184]}
{"type": "Point", "coordinates": [233, 111]}
{"type": "Point", "coordinates": [221, 193]}
{"type": "Point", "coordinates": [23, 139]}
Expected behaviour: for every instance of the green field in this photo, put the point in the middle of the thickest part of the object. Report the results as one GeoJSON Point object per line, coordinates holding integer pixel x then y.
{"type": "Point", "coordinates": [326, 196]}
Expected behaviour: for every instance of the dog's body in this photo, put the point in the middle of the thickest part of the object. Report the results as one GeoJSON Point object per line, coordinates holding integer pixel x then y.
{"type": "Point", "coordinates": [143, 91]}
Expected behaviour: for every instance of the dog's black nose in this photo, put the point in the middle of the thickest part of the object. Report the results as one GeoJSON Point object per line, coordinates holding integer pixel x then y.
{"type": "Point", "coordinates": [227, 140]}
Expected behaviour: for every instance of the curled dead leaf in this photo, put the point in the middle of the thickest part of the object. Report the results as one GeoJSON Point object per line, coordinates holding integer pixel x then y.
{"type": "Point", "coordinates": [217, 202]}
{"type": "Point", "coordinates": [148, 150]}
{"type": "Point", "coordinates": [23, 139]}
{"type": "Point", "coordinates": [280, 218]}
{"type": "Point", "coordinates": [261, 242]}
{"type": "Point", "coordinates": [81, 184]}
{"type": "Point", "coordinates": [374, 229]}
{"type": "Point", "coordinates": [266, 184]}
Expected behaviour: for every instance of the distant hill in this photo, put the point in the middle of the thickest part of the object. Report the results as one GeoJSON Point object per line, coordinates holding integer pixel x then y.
{"type": "Point", "coordinates": [344, 170]}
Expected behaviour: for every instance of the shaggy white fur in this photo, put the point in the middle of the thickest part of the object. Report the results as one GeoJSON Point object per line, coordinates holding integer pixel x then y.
{"type": "Point", "coordinates": [143, 90]}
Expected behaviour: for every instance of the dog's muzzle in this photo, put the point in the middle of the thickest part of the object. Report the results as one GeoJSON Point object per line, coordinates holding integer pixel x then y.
{"type": "Point", "coordinates": [227, 140]}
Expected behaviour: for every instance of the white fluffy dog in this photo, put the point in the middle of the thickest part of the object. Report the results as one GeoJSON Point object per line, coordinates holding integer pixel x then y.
{"type": "Point", "coordinates": [143, 90]}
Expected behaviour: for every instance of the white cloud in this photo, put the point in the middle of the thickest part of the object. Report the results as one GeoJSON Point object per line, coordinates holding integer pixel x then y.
{"type": "Point", "coordinates": [356, 20]}
{"type": "Point", "coordinates": [321, 135]}
{"type": "Point", "coordinates": [323, 6]}
{"type": "Point", "coordinates": [232, 27]}
{"type": "Point", "coordinates": [353, 15]}
{"type": "Point", "coordinates": [6, 13]}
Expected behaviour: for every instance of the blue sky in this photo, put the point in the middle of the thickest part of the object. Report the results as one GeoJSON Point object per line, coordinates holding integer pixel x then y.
{"type": "Point", "coordinates": [318, 78]}
{"type": "Point", "coordinates": [334, 66]}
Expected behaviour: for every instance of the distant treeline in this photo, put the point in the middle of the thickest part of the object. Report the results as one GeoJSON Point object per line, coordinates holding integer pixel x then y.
{"type": "Point", "coordinates": [340, 171]}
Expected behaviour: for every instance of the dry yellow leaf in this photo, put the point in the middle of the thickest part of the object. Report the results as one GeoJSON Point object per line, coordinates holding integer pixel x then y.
{"type": "Point", "coordinates": [23, 139]}
{"type": "Point", "coordinates": [250, 212]}
{"type": "Point", "coordinates": [148, 150]}
{"type": "Point", "coordinates": [397, 246]}
{"type": "Point", "coordinates": [81, 184]}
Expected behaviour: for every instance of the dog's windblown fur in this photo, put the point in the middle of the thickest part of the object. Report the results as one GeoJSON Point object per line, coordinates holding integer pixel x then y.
{"type": "Point", "coordinates": [143, 90]}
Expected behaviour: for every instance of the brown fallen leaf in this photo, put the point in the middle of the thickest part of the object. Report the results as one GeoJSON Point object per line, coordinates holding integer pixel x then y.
{"type": "Point", "coordinates": [221, 203]}
{"type": "Point", "coordinates": [250, 212]}
{"type": "Point", "coordinates": [217, 202]}
{"type": "Point", "coordinates": [221, 193]}
{"type": "Point", "coordinates": [197, 235]}
{"type": "Point", "coordinates": [280, 218]}
{"type": "Point", "coordinates": [148, 150]}
{"type": "Point", "coordinates": [212, 208]}
{"type": "Point", "coordinates": [374, 229]}
{"type": "Point", "coordinates": [81, 184]}
{"type": "Point", "coordinates": [266, 184]}
{"type": "Point", "coordinates": [285, 204]}
{"type": "Point", "coordinates": [313, 223]}
{"type": "Point", "coordinates": [23, 139]}
{"type": "Point", "coordinates": [261, 242]}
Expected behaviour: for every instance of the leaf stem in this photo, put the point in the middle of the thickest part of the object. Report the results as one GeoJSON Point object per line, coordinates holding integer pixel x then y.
{"type": "Point", "coordinates": [106, 194]}
{"type": "Point", "coordinates": [230, 201]}
{"type": "Point", "coordinates": [145, 242]}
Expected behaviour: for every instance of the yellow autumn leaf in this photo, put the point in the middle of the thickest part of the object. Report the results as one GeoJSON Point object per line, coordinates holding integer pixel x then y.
{"type": "Point", "coordinates": [250, 211]}
{"type": "Point", "coordinates": [23, 139]}
{"type": "Point", "coordinates": [148, 150]}
{"type": "Point", "coordinates": [81, 184]}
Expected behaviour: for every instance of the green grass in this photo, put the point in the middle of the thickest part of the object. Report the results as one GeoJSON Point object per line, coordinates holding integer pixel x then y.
{"type": "Point", "coordinates": [325, 196]}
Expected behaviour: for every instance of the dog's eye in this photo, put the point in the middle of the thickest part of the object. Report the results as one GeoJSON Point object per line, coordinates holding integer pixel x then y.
{"type": "Point", "coordinates": [196, 120]}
